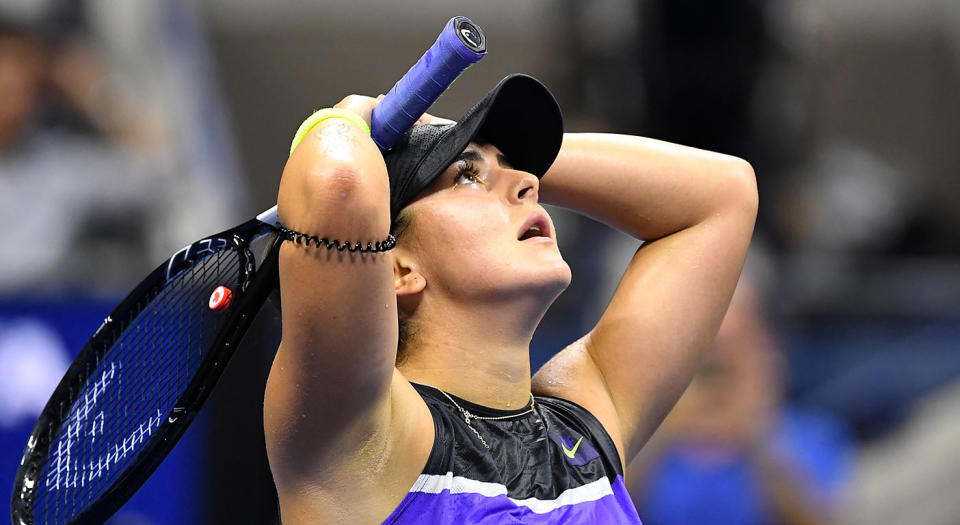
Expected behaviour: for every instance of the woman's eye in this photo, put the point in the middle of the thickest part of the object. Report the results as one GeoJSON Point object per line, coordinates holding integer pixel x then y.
{"type": "Point", "coordinates": [466, 177]}
{"type": "Point", "coordinates": [467, 174]}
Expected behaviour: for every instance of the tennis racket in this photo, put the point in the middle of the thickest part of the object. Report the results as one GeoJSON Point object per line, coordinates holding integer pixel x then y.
{"type": "Point", "coordinates": [139, 381]}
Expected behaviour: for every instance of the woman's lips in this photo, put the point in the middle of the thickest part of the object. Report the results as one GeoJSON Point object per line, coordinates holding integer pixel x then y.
{"type": "Point", "coordinates": [537, 226]}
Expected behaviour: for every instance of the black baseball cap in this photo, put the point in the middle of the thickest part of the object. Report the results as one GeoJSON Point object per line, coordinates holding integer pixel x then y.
{"type": "Point", "coordinates": [519, 116]}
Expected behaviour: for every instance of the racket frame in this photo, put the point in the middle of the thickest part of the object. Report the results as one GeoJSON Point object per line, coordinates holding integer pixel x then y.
{"type": "Point", "coordinates": [256, 283]}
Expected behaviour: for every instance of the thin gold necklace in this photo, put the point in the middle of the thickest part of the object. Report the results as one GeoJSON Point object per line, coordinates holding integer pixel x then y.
{"type": "Point", "coordinates": [467, 415]}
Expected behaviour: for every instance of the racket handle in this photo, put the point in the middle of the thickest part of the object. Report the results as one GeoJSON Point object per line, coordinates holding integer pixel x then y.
{"type": "Point", "coordinates": [459, 45]}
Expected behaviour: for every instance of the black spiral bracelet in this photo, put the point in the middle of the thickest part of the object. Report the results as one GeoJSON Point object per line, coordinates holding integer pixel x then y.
{"type": "Point", "coordinates": [307, 240]}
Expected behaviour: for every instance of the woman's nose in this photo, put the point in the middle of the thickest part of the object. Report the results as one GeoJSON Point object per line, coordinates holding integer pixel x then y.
{"type": "Point", "coordinates": [526, 187]}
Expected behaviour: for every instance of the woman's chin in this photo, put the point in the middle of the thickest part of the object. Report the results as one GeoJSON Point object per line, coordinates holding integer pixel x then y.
{"type": "Point", "coordinates": [551, 279]}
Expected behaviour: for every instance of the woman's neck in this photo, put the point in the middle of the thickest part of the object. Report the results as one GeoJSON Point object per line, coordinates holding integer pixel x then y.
{"type": "Point", "coordinates": [482, 355]}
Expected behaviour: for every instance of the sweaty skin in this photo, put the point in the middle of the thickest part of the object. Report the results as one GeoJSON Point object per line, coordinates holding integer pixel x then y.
{"type": "Point", "coordinates": [346, 433]}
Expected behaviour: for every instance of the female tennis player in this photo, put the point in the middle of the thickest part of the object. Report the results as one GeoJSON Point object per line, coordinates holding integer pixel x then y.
{"type": "Point", "coordinates": [402, 389]}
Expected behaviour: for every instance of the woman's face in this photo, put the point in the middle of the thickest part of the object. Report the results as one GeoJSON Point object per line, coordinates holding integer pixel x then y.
{"type": "Point", "coordinates": [478, 233]}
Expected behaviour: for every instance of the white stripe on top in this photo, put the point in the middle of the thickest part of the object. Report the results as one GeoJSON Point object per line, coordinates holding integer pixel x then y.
{"type": "Point", "coordinates": [435, 484]}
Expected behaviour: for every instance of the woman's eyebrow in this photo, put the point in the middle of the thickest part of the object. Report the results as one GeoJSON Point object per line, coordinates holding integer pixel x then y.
{"type": "Point", "coordinates": [470, 156]}
{"type": "Point", "coordinates": [475, 156]}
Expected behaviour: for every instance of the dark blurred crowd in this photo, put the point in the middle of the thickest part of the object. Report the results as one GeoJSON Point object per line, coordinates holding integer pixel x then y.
{"type": "Point", "coordinates": [735, 450]}
{"type": "Point", "coordinates": [114, 153]}
{"type": "Point", "coordinates": [96, 183]}
{"type": "Point", "coordinates": [73, 196]}
{"type": "Point", "coordinates": [831, 392]}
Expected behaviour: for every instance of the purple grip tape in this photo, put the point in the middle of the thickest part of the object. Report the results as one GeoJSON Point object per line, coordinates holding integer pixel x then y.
{"type": "Point", "coordinates": [459, 45]}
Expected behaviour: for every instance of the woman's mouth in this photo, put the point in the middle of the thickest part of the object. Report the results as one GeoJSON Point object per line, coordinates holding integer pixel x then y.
{"type": "Point", "coordinates": [537, 226]}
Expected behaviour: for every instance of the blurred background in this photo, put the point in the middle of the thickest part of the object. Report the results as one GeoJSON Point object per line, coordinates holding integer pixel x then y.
{"type": "Point", "coordinates": [130, 129]}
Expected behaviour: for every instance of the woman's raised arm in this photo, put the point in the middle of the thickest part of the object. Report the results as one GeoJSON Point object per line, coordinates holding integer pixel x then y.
{"type": "Point", "coordinates": [329, 388]}
{"type": "Point", "coordinates": [696, 210]}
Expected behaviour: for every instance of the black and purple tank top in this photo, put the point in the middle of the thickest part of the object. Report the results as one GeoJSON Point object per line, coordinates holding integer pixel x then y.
{"type": "Point", "coordinates": [555, 464]}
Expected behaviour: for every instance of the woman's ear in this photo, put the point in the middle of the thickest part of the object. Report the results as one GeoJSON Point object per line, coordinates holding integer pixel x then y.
{"type": "Point", "coordinates": [406, 279]}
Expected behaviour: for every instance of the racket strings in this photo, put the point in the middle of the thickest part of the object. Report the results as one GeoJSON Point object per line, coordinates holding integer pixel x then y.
{"type": "Point", "coordinates": [130, 390]}
{"type": "Point", "coordinates": [120, 350]}
{"type": "Point", "coordinates": [149, 320]}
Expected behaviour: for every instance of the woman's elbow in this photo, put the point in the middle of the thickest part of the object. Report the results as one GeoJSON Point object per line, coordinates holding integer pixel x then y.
{"type": "Point", "coordinates": [333, 166]}
{"type": "Point", "coordinates": [740, 188]}
{"type": "Point", "coordinates": [340, 197]}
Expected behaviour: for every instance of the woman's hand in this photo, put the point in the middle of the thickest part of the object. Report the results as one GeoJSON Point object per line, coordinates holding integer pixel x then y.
{"type": "Point", "coordinates": [363, 106]}
{"type": "Point", "coordinates": [359, 104]}
{"type": "Point", "coordinates": [427, 118]}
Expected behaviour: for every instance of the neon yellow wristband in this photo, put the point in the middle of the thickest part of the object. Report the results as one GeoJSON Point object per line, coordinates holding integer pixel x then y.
{"type": "Point", "coordinates": [324, 114]}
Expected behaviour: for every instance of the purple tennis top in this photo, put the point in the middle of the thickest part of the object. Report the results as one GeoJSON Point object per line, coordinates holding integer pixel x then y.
{"type": "Point", "coordinates": [554, 464]}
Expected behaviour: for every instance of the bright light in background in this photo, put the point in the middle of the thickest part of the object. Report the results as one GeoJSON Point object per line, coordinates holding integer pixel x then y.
{"type": "Point", "coordinates": [33, 359]}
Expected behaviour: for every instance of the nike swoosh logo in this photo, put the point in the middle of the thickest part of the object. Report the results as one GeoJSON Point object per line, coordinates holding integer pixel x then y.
{"type": "Point", "coordinates": [572, 451]}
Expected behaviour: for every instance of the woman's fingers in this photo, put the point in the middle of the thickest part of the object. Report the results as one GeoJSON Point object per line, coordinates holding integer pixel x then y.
{"type": "Point", "coordinates": [360, 104]}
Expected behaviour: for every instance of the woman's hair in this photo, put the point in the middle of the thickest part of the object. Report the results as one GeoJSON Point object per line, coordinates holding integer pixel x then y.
{"type": "Point", "coordinates": [406, 329]}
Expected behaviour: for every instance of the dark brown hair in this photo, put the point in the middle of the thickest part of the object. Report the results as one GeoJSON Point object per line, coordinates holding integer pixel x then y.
{"type": "Point", "coordinates": [405, 325]}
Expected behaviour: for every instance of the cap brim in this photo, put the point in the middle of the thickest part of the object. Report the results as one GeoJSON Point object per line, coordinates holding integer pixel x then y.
{"type": "Point", "coordinates": [519, 116]}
